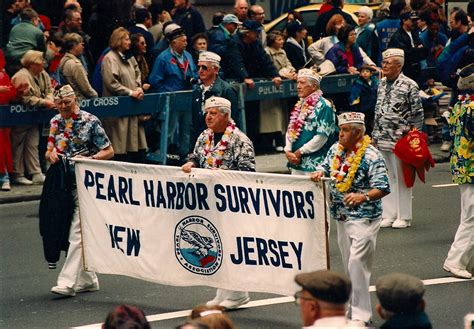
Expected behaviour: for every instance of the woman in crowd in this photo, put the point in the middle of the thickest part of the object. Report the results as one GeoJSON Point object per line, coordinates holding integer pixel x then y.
{"type": "Point", "coordinates": [138, 48]}
{"type": "Point", "coordinates": [295, 45]}
{"type": "Point", "coordinates": [318, 49]}
{"type": "Point", "coordinates": [25, 139]}
{"type": "Point", "coordinates": [200, 41]}
{"type": "Point", "coordinates": [273, 112]}
{"type": "Point", "coordinates": [72, 69]}
{"type": "Point", "coordinates": [121, 77]}
{"type": "Point", "coordinates": [126, 316]}
{"type": "Point", "coordinates": [346, 55]}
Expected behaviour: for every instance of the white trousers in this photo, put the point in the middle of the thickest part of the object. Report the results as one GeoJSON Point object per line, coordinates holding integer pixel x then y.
{"type": "Point", "coordinates": [357, 239]}
{"type": "Point", "coordinates": [72, 273]}
{"type": "Point", "coordinates": [460, 253]}
{"type": "Point", "coordinates": [398, 204]}
{"type": "Point", "coordinates": [223, 294]}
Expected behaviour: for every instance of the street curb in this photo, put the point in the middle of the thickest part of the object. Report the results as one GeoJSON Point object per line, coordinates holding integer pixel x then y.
{"type": "Point", "coordinates": [20, 198]}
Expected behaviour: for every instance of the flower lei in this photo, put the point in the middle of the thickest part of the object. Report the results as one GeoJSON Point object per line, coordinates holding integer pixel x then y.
{"type": "Point", "coordinates": [61, 144]}
{"type": "Point", "coordinates": [299, 114]}
{"type": "Point", "coordinates": [344, 172]}
{"type": "Point", "coordinates": [214, 155]}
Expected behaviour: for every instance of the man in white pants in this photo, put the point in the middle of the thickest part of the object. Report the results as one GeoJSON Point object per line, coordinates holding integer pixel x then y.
{"type": "Point", "coordinates": [397, 111]}
{"type": "Point", "coordinates": [360, 175]}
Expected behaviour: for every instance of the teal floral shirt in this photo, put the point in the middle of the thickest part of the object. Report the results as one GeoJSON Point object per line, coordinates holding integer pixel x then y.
{"type": "Point", "coordinates": [372, 173]}
{"type": "Point", "coordinates": [462, 130]}
{"type": "Point", "coordinates": [322, 121]}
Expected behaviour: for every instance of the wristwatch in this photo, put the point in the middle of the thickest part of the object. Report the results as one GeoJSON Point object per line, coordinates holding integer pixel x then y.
{"type": "Point", "coordinates": [367, 198]}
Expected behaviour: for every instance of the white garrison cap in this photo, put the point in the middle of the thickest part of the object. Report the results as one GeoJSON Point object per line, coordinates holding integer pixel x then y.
{"type": "Point", "coordinates": [350, 117]}
{"type": "Point", "coordinates": [209, 56]}
{"type": "Point", "coordinates": [64, 91]}
{"type": "Point", "coordinates": [310, 74]}
{"type": "Point", "coordinates": [393, 52]}
{"type": "Point", "coordinates": [222, 103]}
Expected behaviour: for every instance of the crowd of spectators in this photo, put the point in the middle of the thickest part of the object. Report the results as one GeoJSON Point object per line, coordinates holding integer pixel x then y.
{"type": "Point", "coordinates": [155, 48]}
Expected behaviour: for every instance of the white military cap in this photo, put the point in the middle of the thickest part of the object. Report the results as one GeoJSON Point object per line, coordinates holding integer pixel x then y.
{"type": "Point", "coordinates": [173, 31]}
{"type": "Point", "coordinates": [220, 102]}
{"type": "Point", "coordinates": [393, 52]}
{"type": "Point", "coordinates": [64, 91]}
{"type": "Point", "coordinates": [351, 117]}
{"type": "Point", "coordinates": [310, 74]}
{"type": "Point", "coordinates": [209, 56]}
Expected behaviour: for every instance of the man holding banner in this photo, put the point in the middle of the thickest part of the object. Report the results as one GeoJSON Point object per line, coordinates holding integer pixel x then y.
{"type": "Point", "coordinates": [74, 132]}
{"type": "Point", "coordinates": [360, 181]}
{"type": "Point", "coordinates": [222, 146]}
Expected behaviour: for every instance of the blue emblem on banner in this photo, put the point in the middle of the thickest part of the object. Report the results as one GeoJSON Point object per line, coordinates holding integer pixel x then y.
{"type": "Point", "coordinates": [197, 245]}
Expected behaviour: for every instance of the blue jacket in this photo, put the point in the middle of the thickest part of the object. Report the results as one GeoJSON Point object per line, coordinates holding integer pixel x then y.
{"type": "Point", "coordinates": [431, 45]}
{"type": "Point", "coordinates": [167, 76]}
{"type": "Point", "coordinates": [364, 96]}
{"type": "Point", "coordinates": [219, 38]}
{"type": "Point", "coordinates": [448, 61]}
{"type": "Point", "coordinates": [191, 21]}
{"type": "Point", "coordinates": [384, 31]}
{"type": "Point", "coordinates": [365, 40]}
{"type": "Point", "coordinates": [337, 55]}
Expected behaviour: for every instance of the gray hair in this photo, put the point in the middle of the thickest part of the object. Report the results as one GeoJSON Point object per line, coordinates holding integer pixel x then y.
{"type": "Point", "coordinates": [358, 126]}
{"type": "Point", "coordinates": [400, 60]}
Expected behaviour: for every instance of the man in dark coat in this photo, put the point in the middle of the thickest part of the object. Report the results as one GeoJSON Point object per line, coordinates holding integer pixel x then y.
{"type": "Point", "coordinates": [408, 39]}
{"type": "Point", "coordinates": [323, 19]}
{"type": "Point", "coordinates": [190, 20]}
{"type": "Point", "coordinates": [142, 24]}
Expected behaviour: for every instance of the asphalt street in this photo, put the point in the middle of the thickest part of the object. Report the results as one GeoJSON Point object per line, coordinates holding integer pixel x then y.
{"type": "Point", "coordinates": [25, 281]}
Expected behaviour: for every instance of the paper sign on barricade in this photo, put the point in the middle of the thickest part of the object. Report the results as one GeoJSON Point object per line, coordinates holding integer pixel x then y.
{"type": "Point", "coordinates": [225, 229]}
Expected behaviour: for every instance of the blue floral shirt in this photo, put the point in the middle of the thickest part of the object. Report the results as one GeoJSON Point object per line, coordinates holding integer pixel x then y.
{"type": "Point", "coordinates": [372, 173]}
{"type": "Point", "coordinates": [86, 136]}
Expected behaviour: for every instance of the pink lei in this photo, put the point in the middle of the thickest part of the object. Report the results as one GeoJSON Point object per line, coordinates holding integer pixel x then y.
{"type": "Point", "coordinates": [300, 112]}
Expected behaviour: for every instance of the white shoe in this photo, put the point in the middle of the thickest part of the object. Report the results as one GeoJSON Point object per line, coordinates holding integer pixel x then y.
{"type": "Point", "coordinates": [386, 222]}
{"type": "Point", "coordinates": [445, 147]}
{"type": "Point", "coordinates": [401, 223]}
{"type": "Point", "coordinates": [357, 324]}
{"type": "Point", "coordinates": [88, 288]}
{"type": "Point", "coordinates": [234, 303]}
{"type": "Point", "coordinates": [457, 272]}
{"type": "Point", "coordinates": [279, 149]}
{"type": "Point", "coordinates": [38, 179]}
{"type": "Point", "coordinates": [6, 186]}
{"type": "Point", "coordinates": [214, 302]}
{"type": "Point", "coordinates": [21, 180]}
{"type": "Point", "coordinates": [65, 291]}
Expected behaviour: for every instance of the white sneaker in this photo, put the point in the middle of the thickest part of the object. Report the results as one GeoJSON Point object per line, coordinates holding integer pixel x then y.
{"type": "Point", "coordinates": [6, 186]}
{"type": "Point", "coordinates": [386, 222]}
{"type": "Point", "coordinates": [38, 179]}
{"type": "Point", "coordinates": [214, 302]}
{"type": "Point", "coordinates": [88, 288]}
{"type": "Point", "coordinates": [457, 272]}
{"type": "Point", "coordinates": [445, 147]}
{"type": "Point", "coordinates": [401, 223]}
{"type": "Point", "coordinates": [357, 324]}
{"type": "Point", "coordinates": [21, 180]}
{"type": "Point", "coordinates": [65, 291]}
{"type": "Point", "coordinates": [234, 303]}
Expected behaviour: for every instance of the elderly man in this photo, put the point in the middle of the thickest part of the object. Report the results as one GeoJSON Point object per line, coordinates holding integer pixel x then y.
{"type": "Point", "coordinates": [398, 110]}
{"type": "Point", "coordinates": [360, 181]}
{"type": "Point", "coordinates": [222, 146]}
{"type": "Point", "coordinates": [211, 85]}
{"type": "Point", "coordinates": [221, 35]}
{"type": "Point", "coordinates": [257, 13]}
{"type": "Point", "coordinates": [401, 302]}
{"type": "Point", "coordinates": [310, 133]}
{"type": "Point", "coordinates": [241, 8]}
{"type": "Point", "coordinates": [323, 299]}
{"type": "Point", "coordinates": [75, 132]}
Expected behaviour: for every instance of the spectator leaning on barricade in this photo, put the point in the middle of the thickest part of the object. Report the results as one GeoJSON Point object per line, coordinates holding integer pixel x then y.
{"type": "Point", "coordinates": [310, 132]}
{"type": "Point", "coordinates": [121, 77]}
{"type": "Point", "coordinates": [257, 13]}
{"type": "Point", "coordinates": [365, 32]}
{"type": "Point", "coordinates": [397, 111]}
{"type": "Point", "coordinates": [74, 133]}
{"type": "Point", "coordinates": [190, 20]}
{"type": "Point", "coordinates": [222, 146]}
{"type": "Point", "coordinates": [211, 84]}
{"type": "Point", "coordinates": [142, 24]}
{"type": "Point", "coordinates": [273, 112]}
{"type": "Point", "coordinates": [72, 68]}
{"type": "Point", "coordinates": [319, 49]}
{"type": "Point", "coordinates": [407, 39]}
{"type": "Point", "coordinates": [323, 19]}
{"type": "Point", "coordinates": [220, 36]}
{"type": "Point", "coordinates": [360, 181]}
{"type": "Point", "coordinates": [25, 139]}
{"type": "Point", "coordinates": [401, 302]}
{"type": "Point", "coordinates": [23, 37]}
{"type": "Point", "coordinates": [323, 299]}
{"type": "Point", "coordinates": [295, 46]}
{"type": "Point", "coordinates": [461, 123]}
{"type": "Point", "coordinates": [174, 70]}
{"type": "Point", "coordinates": [126, 317]}
{"type": "Point", "coordinates": [346, 55]}
{"type": "Point", "coordinates": [241, 8]}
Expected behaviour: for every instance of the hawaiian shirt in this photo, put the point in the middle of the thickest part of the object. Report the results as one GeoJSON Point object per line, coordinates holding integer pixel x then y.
{"type": "Point", "coordinates": [239, 154]}
{"type": "Point", "coordinates": [85, 137]}
{"type": "Point", "coordinates": [372, 173]}
{"type": "Point", "coordinates": [322, 121]}
{"type": "Point", "coordinates": [398, 108]}
{"type": "Point", "coordinates": [462, 130]}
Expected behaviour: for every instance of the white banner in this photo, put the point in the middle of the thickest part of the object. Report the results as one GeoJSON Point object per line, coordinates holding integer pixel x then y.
{"type": "Point", "coordinates": [225, 229]}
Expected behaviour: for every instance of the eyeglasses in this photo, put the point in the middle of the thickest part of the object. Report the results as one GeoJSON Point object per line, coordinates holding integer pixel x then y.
{"type": "Point", "coordinates": [388, 63]}
{"type": "Point", "coordinates": [65, 102]}
{"type": "Point", "coordinates": [298, 298]}
{"type": "Point", "coordinates": [203, 67]}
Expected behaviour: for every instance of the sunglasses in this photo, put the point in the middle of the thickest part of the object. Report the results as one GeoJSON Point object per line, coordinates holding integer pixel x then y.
{"type": "Point", "coordinates": [203, 67]}
{"type": "Point", "coordinates": [66, 102]}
